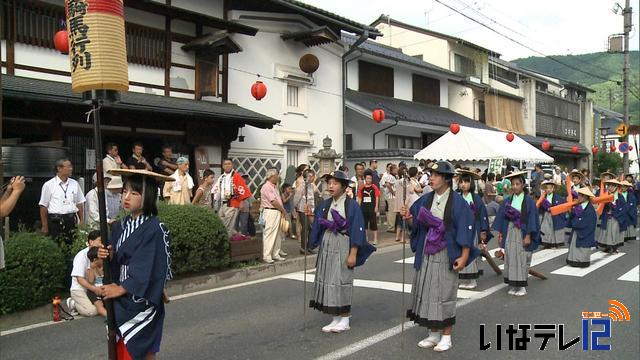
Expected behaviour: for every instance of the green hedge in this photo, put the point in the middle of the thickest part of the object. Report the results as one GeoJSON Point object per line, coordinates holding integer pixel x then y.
{"type": "Point", "coordinates": [199, 240]}
{"type": "Point", "coordinates": [35, 271]}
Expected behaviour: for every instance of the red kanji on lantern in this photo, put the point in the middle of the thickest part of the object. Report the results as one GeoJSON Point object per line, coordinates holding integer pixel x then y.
{"type": "Point", "coordinates": [454, 128]}
{"type": "Point", "coordinates": [574, 149]}
{"type": "Point", "coordinates": [594, 150]}
{"type": "Point", "coordinates": [61, 41]}
{"type": "Point", "coordinates": [258, 90]}
{"type": "Point", "coordinates": [510, 137]}
{"type": "Point", "coordinates": [546, 145]}
{"type": "Point", "coordinates": [378, 115]}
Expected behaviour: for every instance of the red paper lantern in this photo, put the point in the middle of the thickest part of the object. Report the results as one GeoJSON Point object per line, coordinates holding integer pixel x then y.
{"type": "Point", "coordinates": [510, 137]}
{"type": "Point", "coordinates": [574, 149]}
{"type": "Point", "coordinates": [378, 115]}
{"type": "Point", "coordinates": [612, 148]}
{"type": "Point", "coordinates": [546, 145]}
{"type": "Point", "coordinates": [594, 150]}
{"type": "Point", "coordinates": [454, 128]}
{"type": "Point", "coordinates": [61, 41]}
{"type": "Point", "coordinates": [258, 90]}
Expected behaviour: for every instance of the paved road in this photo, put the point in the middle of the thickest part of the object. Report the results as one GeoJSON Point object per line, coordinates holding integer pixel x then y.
{"type": "Point", "coordinates": [264, 319]}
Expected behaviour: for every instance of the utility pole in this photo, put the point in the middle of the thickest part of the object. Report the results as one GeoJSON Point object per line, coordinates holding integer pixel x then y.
{"type": "Point", "coordinates": [626, 12]}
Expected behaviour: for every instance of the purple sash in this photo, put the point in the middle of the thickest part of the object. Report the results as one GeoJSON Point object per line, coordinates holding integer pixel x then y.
{"type": "Point", "coordinates": [435, 240]}
{"type": "Point", "coordinates": [512, 215]}
{"type": "Point", "coordinates": [546, 205]}
{"type": "Point", "coordinates": [338, 224]}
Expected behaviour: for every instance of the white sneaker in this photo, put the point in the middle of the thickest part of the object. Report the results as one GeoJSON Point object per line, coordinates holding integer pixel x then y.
{"type": "Point", "coordinates": [521, 292]}
{"type": "Point", "coordinates": [282, 253]}
{"type": "Point", "coordinates": [71, 306]}
{"type": "Point", "coordinates": [444, 344]}
{"type": "Point", "coordinates": [328, 328]}
{"type": "Point", "coordinates": [429, 342]}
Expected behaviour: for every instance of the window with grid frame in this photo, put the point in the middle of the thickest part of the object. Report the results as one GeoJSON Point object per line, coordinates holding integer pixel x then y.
{"type": "Point", "coordinates": [295, 98]}
{"type": "Point", "coordinates": [403, 142]}
{"type": "Point", "coordinates": [464, 65]}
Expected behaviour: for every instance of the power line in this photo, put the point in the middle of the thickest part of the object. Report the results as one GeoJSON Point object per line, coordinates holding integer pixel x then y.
{"type": "Point", "coordinates": [526, 46]}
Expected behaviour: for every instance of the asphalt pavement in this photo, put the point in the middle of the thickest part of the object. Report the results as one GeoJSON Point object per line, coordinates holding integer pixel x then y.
{"type": "Point", "coordinates": [265, 319]}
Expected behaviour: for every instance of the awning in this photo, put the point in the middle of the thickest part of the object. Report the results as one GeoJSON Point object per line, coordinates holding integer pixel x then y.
{"type": "Point", "coordinates": [213, 44]}
{"type": "Point", "coordinates": [316, 36]}
{"type": "Point", "coordinates": [22, 88]}
{"type": "Point", "coordinates": [471, 144]}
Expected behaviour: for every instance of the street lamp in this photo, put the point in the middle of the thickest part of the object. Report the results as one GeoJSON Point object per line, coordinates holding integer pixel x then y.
{"type": "Point", "coordinates": [604, 131]}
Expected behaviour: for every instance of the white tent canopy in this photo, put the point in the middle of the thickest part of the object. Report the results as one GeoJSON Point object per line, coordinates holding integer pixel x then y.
{"type": "Point", "coordinates": [471, 144]}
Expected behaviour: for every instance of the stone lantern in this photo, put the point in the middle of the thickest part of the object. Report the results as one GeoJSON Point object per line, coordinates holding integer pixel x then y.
{"type": "Point", "coordinates": [326, 157]}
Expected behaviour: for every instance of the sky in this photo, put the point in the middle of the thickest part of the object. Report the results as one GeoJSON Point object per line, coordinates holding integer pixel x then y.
{"type": "Point", "coordinates": [550, 27]}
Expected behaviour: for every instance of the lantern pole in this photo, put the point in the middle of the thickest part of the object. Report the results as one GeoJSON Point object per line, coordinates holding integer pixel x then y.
{"type": "Point", "coordinates": [97, 98]}
{"type": "Point", "coordinates": [396, 119]}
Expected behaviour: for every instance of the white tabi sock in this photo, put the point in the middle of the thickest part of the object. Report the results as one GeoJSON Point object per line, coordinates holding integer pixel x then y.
{"type": "Point", "coordinates": [344, 321]}
{"type": "Point", "coordinates": [336, 320]}
{"type": "Point", "coordinates": [431, 340]}
{"type": "Point", "coordinates": [444, 344]}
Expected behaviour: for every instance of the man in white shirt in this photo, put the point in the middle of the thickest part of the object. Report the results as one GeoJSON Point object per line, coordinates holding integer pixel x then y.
{"type": "Point", "coordinates": [92, 213]}
{"type": "Point", "coordinates": [387, 183]}
{"type": "Point", "coordinates": [61, 203]}
{"type": "Point", "coordinates": [79, 300]}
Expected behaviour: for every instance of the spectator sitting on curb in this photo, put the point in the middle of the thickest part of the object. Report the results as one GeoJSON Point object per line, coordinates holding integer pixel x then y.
{"type": "Point", "coordinates": [95, 275]}
{"type": "Point", "coordinates": [79, 302]}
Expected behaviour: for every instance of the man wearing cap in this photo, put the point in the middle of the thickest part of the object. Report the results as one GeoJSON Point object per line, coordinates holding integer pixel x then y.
{"type": "Point", "coordinates": [113, 198]}
{"type": "Point", "coordinates": [179, 191]}
{"type": "Point", "coordinates": [442, 239]}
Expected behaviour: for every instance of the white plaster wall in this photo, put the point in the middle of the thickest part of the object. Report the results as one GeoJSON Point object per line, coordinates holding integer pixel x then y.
{"type": "Point", "coordinates": [41, 57]}
{"type": "Point", "coordinates": [352, 75]}
{"type": "Point", "coordinates": [402, 84]}
{"type": "Point", "coordinates": [181, 57]}
{"type": "Point", "coordinates": [144, 18]}
{"type": "Point", "coordinates": [146, 74]}
{"type": "Point", "coordinates": [463, 105]}
{"type": "Point", "coordinates": [324, 102]}
{"type": "Point", "coordinates": [206, 7]}
{"type": "Point", "coordinates": [433, 50]}
{"type": "Point", "coordinates": [42, 76]}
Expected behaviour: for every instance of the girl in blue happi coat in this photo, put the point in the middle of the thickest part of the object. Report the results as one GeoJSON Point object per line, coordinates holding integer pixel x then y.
{"type": "Point", "coordinates": [552, 228]}
{"type": "Point", "coordinates": [339, 230]}
{"type": "Point", "coordinates": [442, 239]}
{"type": "Point", "coordinates": [582, 222]}
{"type": "Point", "coordinates": [466, 187]}
{"type": "Point", "coordinates": [631, 203]}
{"type": "Point", "coordinates": [518, 229]}
{"type": "Point", "coordinates": [140, 266]}
{"type": "Point", "coordinates": [613, 220]}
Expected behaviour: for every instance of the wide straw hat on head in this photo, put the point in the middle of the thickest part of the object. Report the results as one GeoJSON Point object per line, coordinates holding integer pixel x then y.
{"type": "Point", "coordinates": [613, 181]}
{"type": "Point", "coordinates": [115, 183]}
{"type": "Point", "coordinates": [515, 173]}
{"type": "Point", "coordinates": [626, 183]}
{"type": "Point", "coordinates": [147, 173]}
{"type": "Point", "coordinates": [473, 175]}
{"type": "Point", "coordinates": [548, 182]}
{"type": "Point", "coordinates": [607, 173]}
{"type": "Point", "coordinates": [575, 172]}
{"type": "Point", "coordinates": [585, 191]}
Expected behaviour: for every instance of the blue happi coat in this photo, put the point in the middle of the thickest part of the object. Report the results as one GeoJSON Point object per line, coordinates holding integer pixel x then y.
{"type": "Point", "coordinates": [355, 228]}
{"type": "Point", "coordinates": [632, 209]}
{"type": "Point", "coordinates": [481, 219]}
{"type": "Point", "coordinates": [559, 221]}
{"type": "Point", "coordinates": [585, 226]}
{"type": "Point", "coordinates": [459, 228]}
{"type": "Point", "coordinates": [141, 265]}
{"type": "Point", "coordinates": [530, 222]}
{"type": "Point", "coordinates": [617, 210]}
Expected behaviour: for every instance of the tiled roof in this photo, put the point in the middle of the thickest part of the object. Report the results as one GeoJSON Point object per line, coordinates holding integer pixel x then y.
{"type": "Point", "coordinates": [54, 91]}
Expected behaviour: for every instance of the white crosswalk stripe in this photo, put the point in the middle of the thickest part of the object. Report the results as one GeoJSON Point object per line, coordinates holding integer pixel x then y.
{"type": "Point", "coordinates": [380, 285]}
{"type": "Point", "coordinates": [545, 255]}
{"type": "Point", "coordinates": [598, 260]}
{"type": "Point", "coordinates": [631, 275]}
